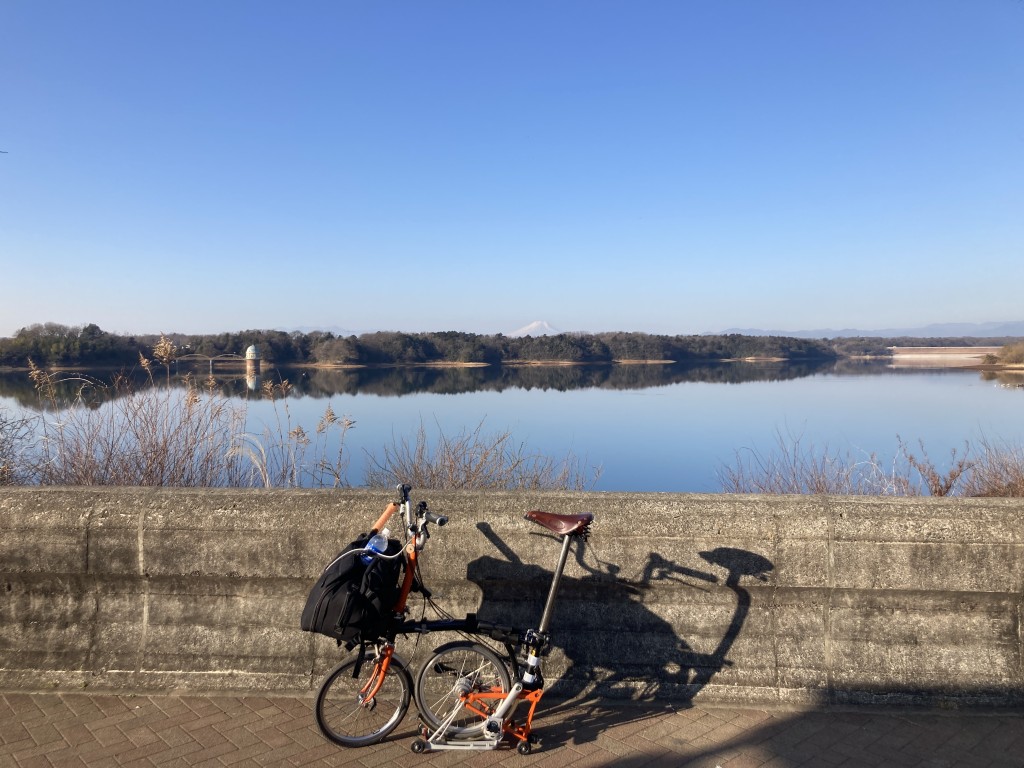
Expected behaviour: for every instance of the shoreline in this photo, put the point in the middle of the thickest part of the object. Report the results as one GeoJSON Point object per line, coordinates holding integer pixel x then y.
{"type": "Point", "coordinates": [972, 358]}
{"type": "Point", "coordinates": [946, 358]}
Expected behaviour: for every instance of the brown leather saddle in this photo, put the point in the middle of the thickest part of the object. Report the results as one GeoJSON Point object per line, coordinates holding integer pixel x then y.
{"type": "Point", "coordinates": [563, 525]}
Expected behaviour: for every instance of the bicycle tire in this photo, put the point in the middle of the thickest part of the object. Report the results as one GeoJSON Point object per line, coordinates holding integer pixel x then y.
{"type": "Point", "coordinates": [346, 718]}
{"type": "Point", "coordinates": [474, 667]}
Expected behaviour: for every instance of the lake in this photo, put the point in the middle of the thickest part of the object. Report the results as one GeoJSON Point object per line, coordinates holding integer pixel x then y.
{"type": "Point", "coordinates": [647, 427]}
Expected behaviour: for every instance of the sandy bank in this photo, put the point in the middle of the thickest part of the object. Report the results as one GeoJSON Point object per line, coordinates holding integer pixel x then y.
{"type": "Point", "coordinates": [940, 357]}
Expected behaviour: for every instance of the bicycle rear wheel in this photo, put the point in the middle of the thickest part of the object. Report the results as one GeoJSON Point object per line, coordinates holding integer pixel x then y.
{"type": "Point", "coordinates": [453, 670]}
{"type": "Point", "coordinates": [350, 712]}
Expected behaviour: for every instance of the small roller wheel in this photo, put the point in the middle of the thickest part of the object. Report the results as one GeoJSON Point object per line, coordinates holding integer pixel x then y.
{"type": "Point", "coordinates": [524, 748]}
{"type": "Point", "coordinates": [419, 746]}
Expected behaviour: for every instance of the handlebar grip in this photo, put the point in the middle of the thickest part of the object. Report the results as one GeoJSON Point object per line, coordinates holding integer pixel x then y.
{"type": "Point", "coordinates": [437, 519]}
{"type": "Point", "coordinates": [389, 510]}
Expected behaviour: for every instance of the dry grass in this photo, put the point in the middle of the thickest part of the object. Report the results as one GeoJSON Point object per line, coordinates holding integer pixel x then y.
{"type": "Point", "coordinates": [998, 471]}
{"type": "Point", "coordinates": [164, 353]}
{"type": "Point", "coordinates": [286, 455]}
{"type": "Point", "coordinates": [1012, 354]}
{"type": "Point", "coordinates": [153, 437]}
{"type": "Point", "coordinates": [938, 483]}
{"type": "Point", "coordinates": [796, 468]}
{"type": "Point", "coordinates": [472, 459]}
{"type": "Point", "coordinates": [161, 436]}
{"type": "Point", "coordinates": [194, 437]}
{"type": "Point", "coordinates": [16, 435]}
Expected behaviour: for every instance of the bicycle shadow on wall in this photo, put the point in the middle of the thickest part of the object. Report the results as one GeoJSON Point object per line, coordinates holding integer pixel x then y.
{"type": "Point", "coordinates": [608, 629]}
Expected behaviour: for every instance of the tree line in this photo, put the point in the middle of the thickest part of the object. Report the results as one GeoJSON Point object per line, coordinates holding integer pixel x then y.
{"type": "Point", "coordinates": [55, 344]}
{"type": "Point", "coordinates": [50, 344]}
{"type": "Point", "coordinates": [876, 346]}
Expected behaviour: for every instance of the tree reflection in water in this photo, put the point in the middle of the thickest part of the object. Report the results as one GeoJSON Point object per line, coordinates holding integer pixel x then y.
{"type": "Point", "coordinates": [406, 380]}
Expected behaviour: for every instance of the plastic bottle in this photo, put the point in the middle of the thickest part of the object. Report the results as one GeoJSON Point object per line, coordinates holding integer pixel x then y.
{"type": "Point", "coordinates": [378, 543]}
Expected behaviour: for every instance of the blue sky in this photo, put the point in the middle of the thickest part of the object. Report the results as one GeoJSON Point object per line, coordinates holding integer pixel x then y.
{"type": "Point", "coordinates": [673, 167]}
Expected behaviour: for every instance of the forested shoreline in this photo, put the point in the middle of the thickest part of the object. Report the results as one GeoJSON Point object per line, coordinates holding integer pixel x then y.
{"type": "Point", "coordinates": [52, 344]}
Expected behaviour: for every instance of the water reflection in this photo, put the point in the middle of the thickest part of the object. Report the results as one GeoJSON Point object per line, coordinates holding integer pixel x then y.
{"type": "Point", "coordinates": [395, 382]}
{"type": "Point", "coordinates": [1008, 379]}
{"type": "Point", "coordinates": [96, 388]}
{"type": "Point", "coordinates": [649, 427]}
{"type": "Point", "coordinates": [399, 381]}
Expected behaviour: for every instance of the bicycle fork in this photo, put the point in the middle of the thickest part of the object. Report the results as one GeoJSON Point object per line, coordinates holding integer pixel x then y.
{"type": "Point", "coordinates": [368, 693]}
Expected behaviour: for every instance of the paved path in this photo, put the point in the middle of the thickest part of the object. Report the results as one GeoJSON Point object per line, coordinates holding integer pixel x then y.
{"type": "Point", "coordinates": [88, 729]}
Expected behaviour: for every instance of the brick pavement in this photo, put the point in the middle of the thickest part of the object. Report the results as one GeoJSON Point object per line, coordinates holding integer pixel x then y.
{"type": "Point", "coordinates": [214, 731]}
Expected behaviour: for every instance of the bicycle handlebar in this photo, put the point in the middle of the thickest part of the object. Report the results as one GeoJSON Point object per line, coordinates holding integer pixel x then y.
{"type": "Point", "coordinates": [382, 521]}
{"type": "Point", "coordinates": [394, 506]}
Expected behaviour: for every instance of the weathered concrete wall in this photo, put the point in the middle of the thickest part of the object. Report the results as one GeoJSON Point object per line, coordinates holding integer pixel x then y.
{"type": "Point", "coordinates": [728, 598]}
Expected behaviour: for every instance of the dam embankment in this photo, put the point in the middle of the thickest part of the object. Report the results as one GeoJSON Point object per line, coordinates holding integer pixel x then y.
{"type": "Point", "coordinates": [723, 598]}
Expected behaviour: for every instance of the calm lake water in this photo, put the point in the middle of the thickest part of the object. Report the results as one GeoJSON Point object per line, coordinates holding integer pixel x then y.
{"type": "Point", "coordinates": [648, 428]}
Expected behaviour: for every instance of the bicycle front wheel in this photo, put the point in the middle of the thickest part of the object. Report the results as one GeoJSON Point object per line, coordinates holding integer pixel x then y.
{"type": "Point", "coordinates": [361, 704]}
{"type": "Point", "coordinates": [452, 673]}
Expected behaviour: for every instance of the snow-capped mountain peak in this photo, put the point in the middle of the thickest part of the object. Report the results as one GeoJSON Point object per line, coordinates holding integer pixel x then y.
{"type": "Point", "coordinates": [536, 328]}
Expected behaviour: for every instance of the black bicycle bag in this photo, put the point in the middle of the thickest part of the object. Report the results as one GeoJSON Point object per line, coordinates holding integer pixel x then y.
{"type": "Point", "coordinates": [352, 600]}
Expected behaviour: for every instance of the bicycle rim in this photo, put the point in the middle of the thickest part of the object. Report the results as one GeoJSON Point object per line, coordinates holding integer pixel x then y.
{"type": "Point", "coordinates": [348, 712]}
{"type": "Point", "coordinates": [457, 669]}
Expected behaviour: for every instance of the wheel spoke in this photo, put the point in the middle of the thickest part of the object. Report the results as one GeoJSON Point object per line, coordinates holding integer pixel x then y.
{"type": "Point", "coordinates": [454, 672]}
{"type": "Point", "coordinates": [347, 716]}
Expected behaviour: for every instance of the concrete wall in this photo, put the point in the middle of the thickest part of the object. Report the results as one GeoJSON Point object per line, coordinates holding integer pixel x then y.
{"type": "Point", "coordinates": [802, 600]}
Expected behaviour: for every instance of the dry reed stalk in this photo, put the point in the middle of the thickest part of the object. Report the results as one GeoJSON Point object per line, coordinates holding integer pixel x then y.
{"type": "Point", "coordinates": [165, 353]}
{"type": "Point", "coordinates": [16, 435]}
{"type": "Point", "coordinates": [472, 459]}
{"type": "Point", "coordinates": [793, 468]}
{"type": "Point", "coordinates": [165, 437]}
{"type": "Point", "coordinates": [147, 438]}
{"type": "Point", "coordinates": [937, 482]}
{"type": "Point", "coordinates": [998, 471]}
{"type": "Point", "coordinates": [285, 455]}
{"type": "Point", "coordinates": [796, 468]}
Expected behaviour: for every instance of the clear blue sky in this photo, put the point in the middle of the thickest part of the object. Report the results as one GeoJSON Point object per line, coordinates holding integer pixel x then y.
{"type": "Point", "coordinates": [671, 166]}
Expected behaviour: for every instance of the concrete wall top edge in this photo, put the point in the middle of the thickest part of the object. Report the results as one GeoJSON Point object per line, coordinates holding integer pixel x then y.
{"type": "Point", "coordinates": [383, 495]}
{"type": "Point", "coordinates": [904, 519]}
{"type": "Point", "coordinates": [292, 533]}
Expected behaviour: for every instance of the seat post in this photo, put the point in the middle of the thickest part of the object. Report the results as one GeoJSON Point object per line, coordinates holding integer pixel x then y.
{"type": "Point", "coordinates": [550, 604]}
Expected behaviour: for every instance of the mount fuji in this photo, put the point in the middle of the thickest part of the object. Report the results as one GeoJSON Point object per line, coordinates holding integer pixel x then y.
{"type": "Point", "coordinates": [536, 328]}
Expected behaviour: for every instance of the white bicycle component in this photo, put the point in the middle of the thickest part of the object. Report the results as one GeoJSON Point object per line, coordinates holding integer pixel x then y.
{"type": "Point", "coordinates": [493, 729]}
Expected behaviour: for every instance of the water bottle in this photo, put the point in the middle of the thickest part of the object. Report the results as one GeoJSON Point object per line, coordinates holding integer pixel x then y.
{"type": "Point", "coordinates": [377, 544]}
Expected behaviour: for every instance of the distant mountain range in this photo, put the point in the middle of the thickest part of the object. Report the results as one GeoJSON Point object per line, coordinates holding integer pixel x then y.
{"type": "Point", "coordinates": [936, 330]}
{"type": "Point", "coordinates": [984, 330]}
{"type": "Point", "coordinates": [337, 330]}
